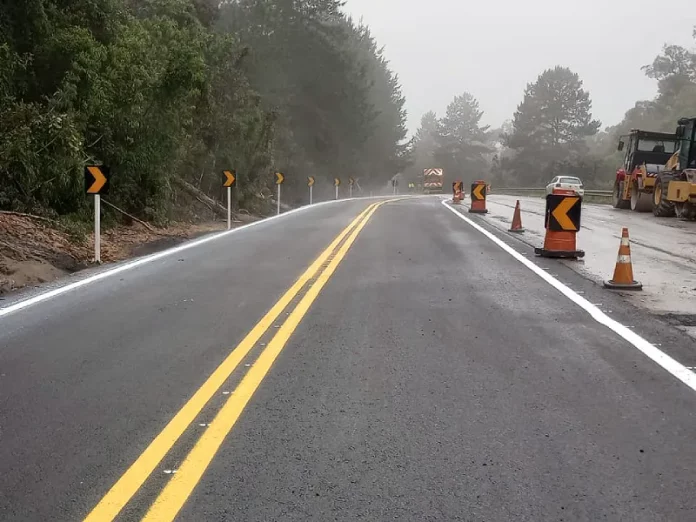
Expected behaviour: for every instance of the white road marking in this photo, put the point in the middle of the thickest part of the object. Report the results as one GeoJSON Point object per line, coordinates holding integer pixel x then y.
{"type": "Point", "coordinates": [159, 255]}
{"type": "Point", "coordinates": [677, 369]}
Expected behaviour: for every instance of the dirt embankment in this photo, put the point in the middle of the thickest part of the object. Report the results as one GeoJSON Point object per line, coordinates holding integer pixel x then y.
{"type": "Point", "coordinates": [36, 250]}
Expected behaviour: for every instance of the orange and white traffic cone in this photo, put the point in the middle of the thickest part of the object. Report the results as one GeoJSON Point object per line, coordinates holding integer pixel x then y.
{"type": "Point", "coordinates": [517, 220]}
{"type": "Point", "coordinates": [623, 273]}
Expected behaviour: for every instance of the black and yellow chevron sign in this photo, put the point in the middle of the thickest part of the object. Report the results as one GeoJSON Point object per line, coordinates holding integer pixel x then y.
{"type": "Point", "coordinates": [97, 179]}
{"type": "Point", "coordinates": [478, 191]}
{"type": "Point", "coordinates": [230, 178]}
{"type": "Point", "coordinates": [280, 177]}
{"type": "Point", "coordinates": [563, 213]}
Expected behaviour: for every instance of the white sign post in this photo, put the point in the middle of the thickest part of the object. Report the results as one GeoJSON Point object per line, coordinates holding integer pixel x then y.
{"type": "Point", "coordinates": [278, 202]}
{"type": "Point", "coordinates": [97, 228]}
{"type": "Point", "coordinates": [310, 194]}
{"type": "Point", "coordinates": [230, 178]}
{"type": "Point", "coordinates": [97, 183]}
{"type": "Point", "coordinates": [336, 191]}
{"type": "Point", "coordinates": [229, 208]}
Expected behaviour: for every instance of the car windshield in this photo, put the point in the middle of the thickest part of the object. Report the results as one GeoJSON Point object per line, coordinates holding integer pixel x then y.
{"type": "Point", "coordinates": [574, 181]}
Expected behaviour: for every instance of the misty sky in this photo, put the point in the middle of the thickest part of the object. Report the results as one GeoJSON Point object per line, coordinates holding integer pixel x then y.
{"type": "Point", "coordinates": [440, 48]}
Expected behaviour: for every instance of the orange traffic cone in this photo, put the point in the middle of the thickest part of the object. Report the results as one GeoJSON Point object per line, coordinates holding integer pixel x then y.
{"type": "Point", "coordinates": [623, 273]}
{"type": "Point", "coordinates": [516, 220]}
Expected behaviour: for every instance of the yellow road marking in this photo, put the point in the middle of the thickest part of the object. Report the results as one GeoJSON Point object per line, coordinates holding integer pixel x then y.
{"type": "Point", "coordinates": [130, 482]}
{"type": "Point", "coordinates": [172, 498]}
{"type": "Point", "coordinates": [561, 213]}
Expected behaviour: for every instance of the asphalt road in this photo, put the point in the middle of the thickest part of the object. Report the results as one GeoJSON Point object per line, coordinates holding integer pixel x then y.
{"type": "Point", "coordinates": [431, 377]}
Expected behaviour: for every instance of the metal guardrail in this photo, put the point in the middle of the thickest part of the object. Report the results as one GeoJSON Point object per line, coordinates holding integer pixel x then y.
{"type": "Point", "coordinates": [596, 193]}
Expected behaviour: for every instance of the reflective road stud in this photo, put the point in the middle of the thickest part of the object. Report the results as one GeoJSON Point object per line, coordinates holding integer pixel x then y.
{"type": "Point", "coordinates": [623, 272]}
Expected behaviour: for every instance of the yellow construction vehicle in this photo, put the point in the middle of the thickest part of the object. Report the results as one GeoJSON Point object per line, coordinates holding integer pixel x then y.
{"type": "Point", "coordinates": [646, 154]}
{"type": "Point", "coordinates": [675, 186]}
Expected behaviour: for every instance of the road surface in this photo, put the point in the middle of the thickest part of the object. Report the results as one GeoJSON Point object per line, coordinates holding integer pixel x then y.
{"type": "Point", "coordinates": [345, 362]}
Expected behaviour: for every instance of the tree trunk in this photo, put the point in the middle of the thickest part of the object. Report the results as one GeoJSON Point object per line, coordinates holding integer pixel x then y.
{"type": "Point", "coordinates": [216, 207]}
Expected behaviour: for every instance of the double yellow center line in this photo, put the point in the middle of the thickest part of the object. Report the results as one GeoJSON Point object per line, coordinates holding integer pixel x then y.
{"type": "Point", "coordinates": [181, 485]}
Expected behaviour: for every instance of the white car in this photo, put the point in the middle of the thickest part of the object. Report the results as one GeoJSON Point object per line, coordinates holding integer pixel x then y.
{"type": "Point", "coordinates": [566, 182]}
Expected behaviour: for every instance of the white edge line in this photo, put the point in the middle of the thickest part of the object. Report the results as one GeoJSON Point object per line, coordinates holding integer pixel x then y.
{"type": "Point", "coordinates": [159, 255]}
{"type": "Point", "coordinates": [677, 369]}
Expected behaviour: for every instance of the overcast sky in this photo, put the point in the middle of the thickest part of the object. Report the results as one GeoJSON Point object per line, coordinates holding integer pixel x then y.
{"type": "Point", "coordinates": [440, 48]}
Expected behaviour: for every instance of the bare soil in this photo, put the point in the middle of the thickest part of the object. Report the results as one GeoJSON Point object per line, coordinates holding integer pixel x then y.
{"type": "Point", "coordinates": [35, 251]}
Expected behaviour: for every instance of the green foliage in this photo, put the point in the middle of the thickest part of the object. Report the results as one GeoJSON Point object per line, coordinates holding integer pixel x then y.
{"type": "Point", "coordinates": [338, 108]}
{"type": "Point", "coordinates": [457, 143]}
{"type": "Point", "coordinates": [422, 148]}
{"type": "Point", "coordinates": [550, 129]}
{"type": "Point", "coordinates": [461, 140]}
{"type": "Point", "coordinates": [165, 89]}
{"type": "Point", "coordinates": [553, 131]}
{"type": "Point", "coordinates": [675, 71]}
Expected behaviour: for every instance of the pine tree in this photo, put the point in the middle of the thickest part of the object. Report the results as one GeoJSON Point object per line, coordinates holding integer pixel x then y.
{"type": "Point", "coordinates": [551, 125]}
{"type": "Point", "coordinates": [461, 140]}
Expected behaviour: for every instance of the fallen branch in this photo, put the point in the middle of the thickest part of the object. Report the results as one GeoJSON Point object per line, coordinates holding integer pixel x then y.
{"type": "Point", "coordinates": [216, 207]}
{"type": "Point", "coordinates": [205, 204]}
{"type": "Point", "coordinates": [131, 217]}
{"type": "Point", "coordinates": [31, 216]}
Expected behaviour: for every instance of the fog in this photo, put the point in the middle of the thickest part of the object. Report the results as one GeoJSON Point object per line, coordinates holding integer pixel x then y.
{"type": "Point", "coordinates": [440, 48]}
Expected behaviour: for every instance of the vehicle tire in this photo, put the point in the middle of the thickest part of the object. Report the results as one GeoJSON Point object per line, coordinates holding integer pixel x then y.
{"type": "Point", "coordinates": [616, 200]}
{"type": "Point", "coordinates": [640, 201]}
{"type": "Point", "coordinates": [661, 206]}
{"type": "Point", "coordinates": [685, 211]}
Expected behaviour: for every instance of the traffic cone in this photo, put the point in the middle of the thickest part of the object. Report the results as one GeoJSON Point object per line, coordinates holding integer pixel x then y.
{"type": "Point", "coordinates": [623, 272]}
{"type": "Point", "coordinates": [516, 220]}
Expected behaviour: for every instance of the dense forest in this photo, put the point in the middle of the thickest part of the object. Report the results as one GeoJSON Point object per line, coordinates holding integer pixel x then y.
{"type": "Point", "coordinates": [168, 93]}
{"type": "Point", "coordinates": [553, 131]}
